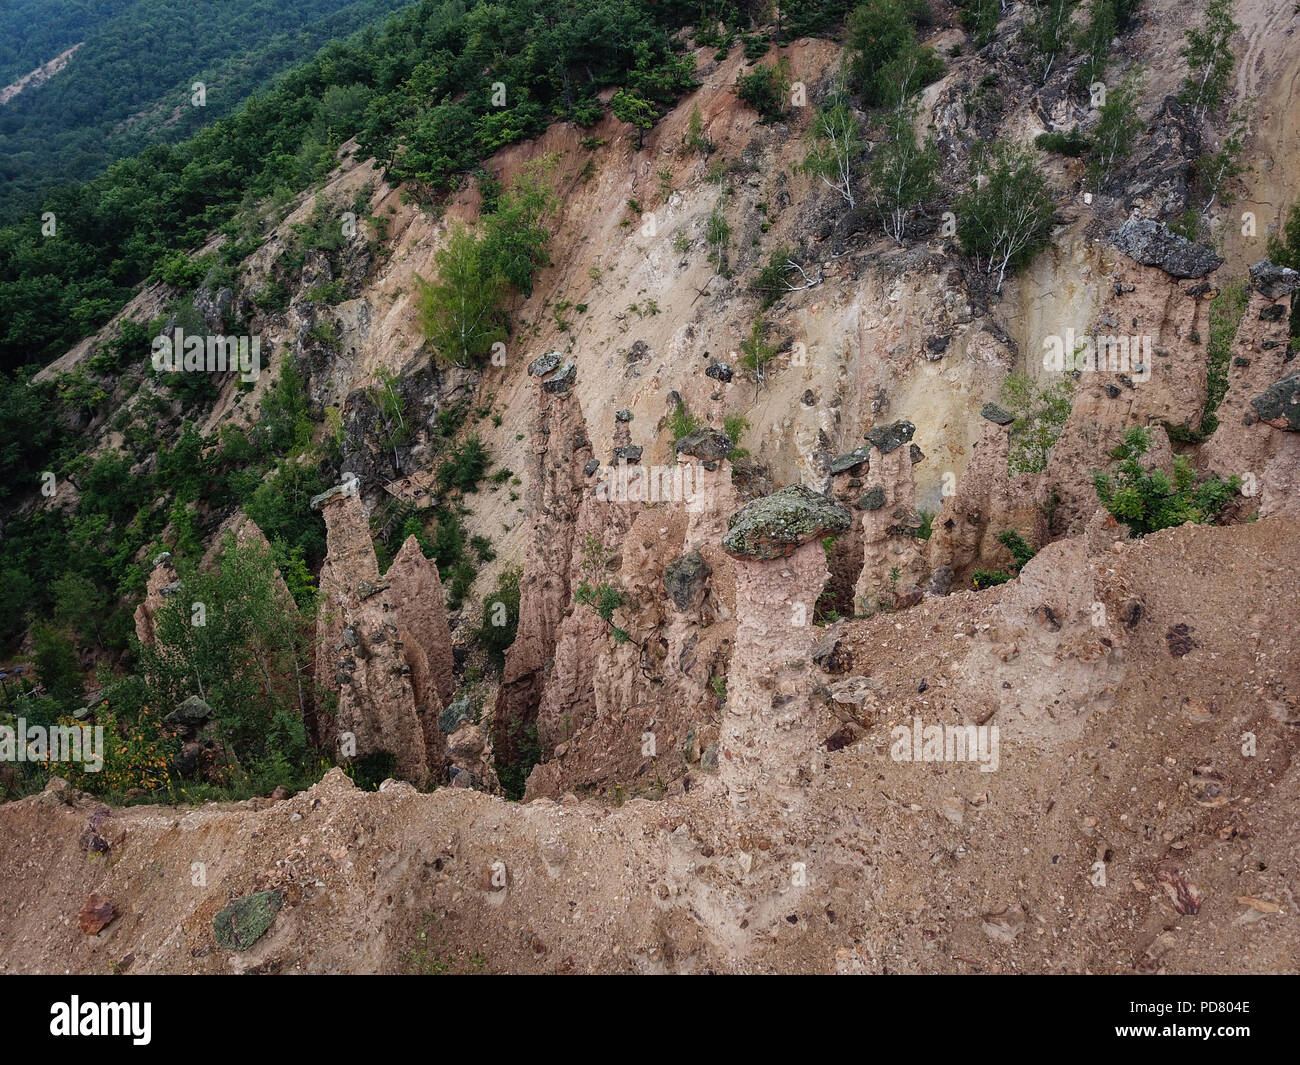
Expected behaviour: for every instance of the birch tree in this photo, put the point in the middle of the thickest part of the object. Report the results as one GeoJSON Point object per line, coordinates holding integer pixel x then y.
{"type": "Point", "coordinates": [836, 148]}
{"type": "Point", "coordinates": [1117, 125]}
{"type": "Point", "coordinates": [1209, 58]}
{"type": "Point", "coordinates": [901, 170]}
{"type": "Point", "coordinates": [1004, 221]}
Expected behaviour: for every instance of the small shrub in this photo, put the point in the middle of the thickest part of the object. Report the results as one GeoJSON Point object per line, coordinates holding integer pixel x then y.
{"type": "Point", "coordinates": [464, 467]}
{"type": "Point", "coordinates": [500, 616]}
{"type": "Point", "coordinates": [1147, 501]}
{"type": "Point", "coordinates": [681, 422]}
{"type": "Point", "coordinates": [763, 89]}
{"type": "Point", "coordinates": [1073, 144]}
{"type": "Point", "coordinates": [1039, 416]}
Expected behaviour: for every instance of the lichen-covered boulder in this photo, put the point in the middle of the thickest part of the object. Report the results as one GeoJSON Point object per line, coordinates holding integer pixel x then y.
{"type": "Point", "coordinates": [997, 415]}
{"type": "Point", "coordinates": [873, 498]}
{"type": "Point", "coordinates": [544, 364]}
{"type": "Point", "coordinates": [340, 491]}
{"type": "Point", "coordinates": [1279, 404]}
{"type": "Point", "coordinates": [1273, 281]}
{"type": "Point", "coordinates": [245, 921]}
{"type": "Point", "coordinates": [565, 378]}
{"type": "Point", "coordinates": [189, 714]}
{"type": "Point", "coordinates": [850, 460]}
{"type": "Point", "coordinates": [776, 525]}
{"type": "Point", "coordinates": [891, 437]}
{"type": "Point", "coordinates": [455, 714]}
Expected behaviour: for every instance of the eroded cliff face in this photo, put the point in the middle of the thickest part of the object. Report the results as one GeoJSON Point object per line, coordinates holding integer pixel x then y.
{"type": "Point", "coordinates": [560, 449]}
{"type": "Point", "coordinates": [985, 502]}
{"type": "Point", "coordinates": [1245, 444]}
{"type": "Point", "coordinates": [1120, 744]}
{"type": "Point", "coordinates": [893, 559]}
{"type": "Point", "coordinates": [383, 646]}
{"type": "Point", "coordinates": [724, 789]}
{"type": "Point", "coordinates": [635, 716]}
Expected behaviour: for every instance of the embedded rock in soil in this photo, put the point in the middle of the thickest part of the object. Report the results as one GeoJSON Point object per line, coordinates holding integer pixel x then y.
{"type": "Point", "coordinates": [246, 920]}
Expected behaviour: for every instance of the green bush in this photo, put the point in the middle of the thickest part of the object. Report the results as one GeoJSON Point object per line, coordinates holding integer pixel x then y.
{"type": "Point", "coordinates": [1072, 144]}
{"type": "Point", "coordinates": [464, 467]}
{"type": "Point", "coordinates": [681, 422]}
{"type": "Point", "coordinates": [770, 282]}
{"type": "Point", "coordinates": [1226, 309]}
{"type": "Point", "coordinates": [500, 616]}
{"type": "Point", "coordinates": [735, 425]}
{"type": "Point", "coordinates": [886, 64]}
{"type": "Point", "coordinates": [763, 89]}
{"type": "Point", "coordinates": [1020, 550]}
{"type": "Point", "coordinates": [980, 19]}
{"type": "Point", "coordinates": [1147, 501]}
{"type": "Point", "coordinates": [250, 660]}
{"type": "Point", "coordinates": [1040, 414]}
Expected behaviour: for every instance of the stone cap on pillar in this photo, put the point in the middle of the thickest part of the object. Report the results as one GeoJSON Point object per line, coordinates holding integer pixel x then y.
{"type": "Point", "coordinates": [350, 487]}
{"type": "Point", "coordinates": [777, 525]}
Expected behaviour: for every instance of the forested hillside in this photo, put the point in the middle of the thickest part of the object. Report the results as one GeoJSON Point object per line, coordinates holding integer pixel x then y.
{"type": "Point", "coordinates": [33, 32]}
{"type": "Point", "coordinates": [418, 94]}
{"type": "Point", "coordinates": [130, 83]}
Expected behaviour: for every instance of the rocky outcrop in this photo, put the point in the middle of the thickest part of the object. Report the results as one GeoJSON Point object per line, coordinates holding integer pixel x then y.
{"type": "Point", "coordinates": [780, 568]}
{"type": "Point", "coordinates": [382, 646]}
{"type": "Point", "coordinates": [848, 480]}
{"type": "Point", "coordinates": [163, 583]}
{"type": "Point", "coordinates": [1260, 400]}
{"type": "Point", "coordinates": [419, 603]}
{"type": "Point", "coordinates": [633, 719]}
{"type": "Point", "coordinates": [686, 579]}
{"type": "Point", "coordinates": [1279, 404]}
{"type": "Point", "coordinates": [893, 559]}
{"type": "Point", "coordinates": [560, 450]}
{"type": "Point", "coordinates": [1152, 243]}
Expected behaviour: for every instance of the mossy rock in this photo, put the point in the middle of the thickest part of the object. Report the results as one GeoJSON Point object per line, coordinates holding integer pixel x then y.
{"type": "Point", "coordinates": [456, 714]}
{"type": "Point", "coordinates": [776, 525]}
{"type": "Point", "coordinates": [245, 921]}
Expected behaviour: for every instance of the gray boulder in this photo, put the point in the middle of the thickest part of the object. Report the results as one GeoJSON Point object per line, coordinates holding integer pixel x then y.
{"type": "Point", "coordinates": [850, 460]}
{"type": "Point", "coordinates": [996, 414]}
{"type": "Point", "coordinates": [190, 714]}
{"type": "Point", "coordinates": [1273, 281]}
{"type": "Point", "coordinates": [705, 443]}
{"type": "Point", "coordinates": [544, 364]}
{"type": "Point", "coordinates": [1153, 244]}
{"type": "Point", "coordinates": [1281, 402]}
{"type": "Point", "coordinates": [565, 378]}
